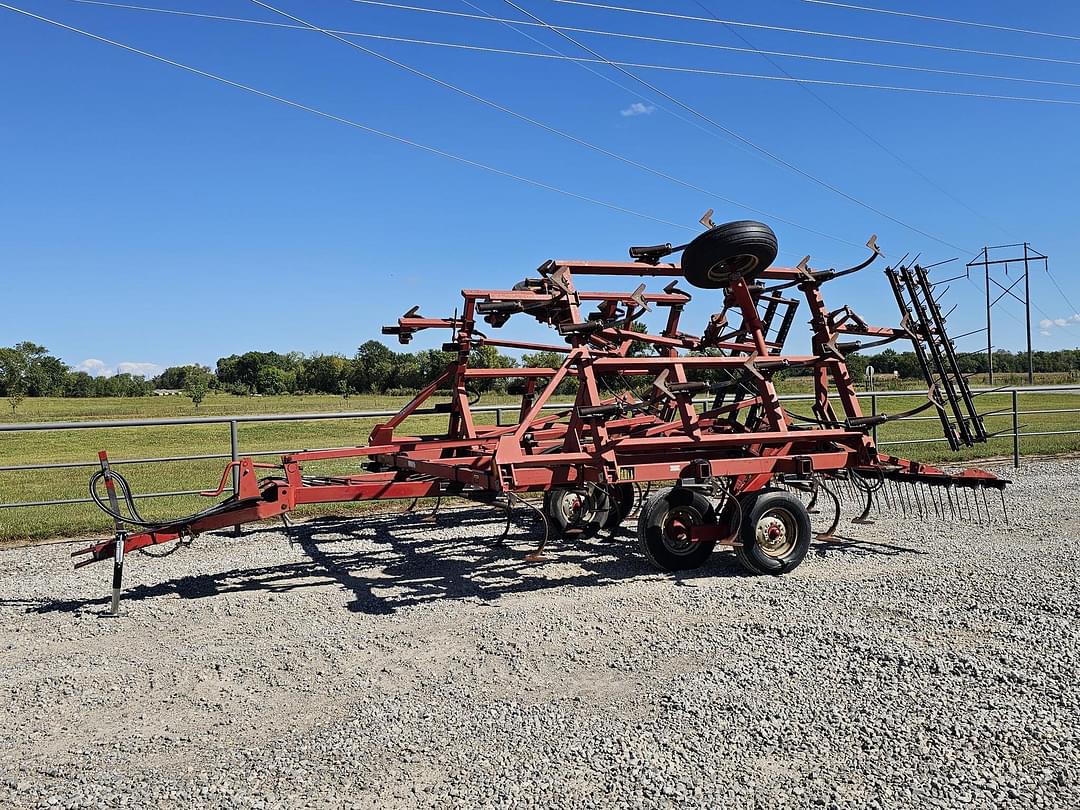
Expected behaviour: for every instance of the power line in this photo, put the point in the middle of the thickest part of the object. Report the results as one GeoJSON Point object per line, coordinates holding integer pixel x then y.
{"type": "Point", "coordinates": [338, 33]}
{"type": "Point", "coordinates": [670, 41]}
{"type": "Point", "coordinates": [527, 119]}
{"type": "Point", "coordinates": [581, 62]}
{"type": "Point", "coordinates": [513, 26]}
{"type": "Point", "coordinates": [971, 23]}
{"type": "Point", "coordinates": [342, 120]}
{"type": "Point", "coordinates": [855, 126]}
{"type": "Point", "coordinates": [771, 155]}
{"type": "Point", "coordinates": [1075, 310]}
{"type": "Point", "coordinates": [830, 34]}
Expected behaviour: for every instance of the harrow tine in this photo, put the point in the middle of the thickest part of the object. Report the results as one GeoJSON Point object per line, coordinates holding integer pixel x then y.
{"type": "Point", "coordinates": [933, 500]}
{"type": "Point", "coordinates": [1004, 511]}
{"type": "Point", "coordinates": [410, 507]}
{"type": "Point", "coordinates": [986, 505]}
{"type": "Point", "coordinates": [900, 497]}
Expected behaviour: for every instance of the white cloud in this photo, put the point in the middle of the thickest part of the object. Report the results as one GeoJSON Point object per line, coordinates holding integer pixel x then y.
{"type": "Point", "coordinates": [1046, 325]}
{"type": "Point", "coordinates": [637, 108]}
{"type": "Point", "coordinates": [95, 368]}
{"type": "Point", "coordinates": [99, 368]}
{"type": "Point", "coordinates": [139, 369]}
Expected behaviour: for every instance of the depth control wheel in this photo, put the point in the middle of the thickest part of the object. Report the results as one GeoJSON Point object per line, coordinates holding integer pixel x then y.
{"type": "Point", "coordinates": [775, 533]}
{"type": "Point", "coordinates": [664, 529]}
{"type": "Point", "coordinates": [729, 252]}
{"type": "Point", "coordinates": [577, 511]}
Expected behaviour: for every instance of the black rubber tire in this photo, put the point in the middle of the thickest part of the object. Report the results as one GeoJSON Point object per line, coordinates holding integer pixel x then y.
{"type": "Point", "coordinates": [622, 496]}
{"type": "Point", "coordinates": [656, 543]}
{"type": "Point", "coordinates": [790, 515]}
{"type": "Point", "coordinates": [594, 515]}
{"type": "Point", "coordinates": [728, 252]}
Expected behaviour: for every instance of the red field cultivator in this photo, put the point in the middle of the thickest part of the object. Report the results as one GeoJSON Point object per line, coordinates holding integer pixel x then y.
{"type": "Point", "coordinates": [741, 470]}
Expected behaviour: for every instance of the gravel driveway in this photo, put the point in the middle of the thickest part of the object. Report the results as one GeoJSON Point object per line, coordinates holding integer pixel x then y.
{"type": "Point", "coordinates": [390, 662]}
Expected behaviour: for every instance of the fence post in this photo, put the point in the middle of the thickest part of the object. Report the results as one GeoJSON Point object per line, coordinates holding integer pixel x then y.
{"type": "Point", "coordinates": [234, 447]}
{"type": "Point", "coordinates": [498, 417]}
{"type": "Point", "coordinates": [1016, 430]}
{"type": "Point", "coordinates": [873, 412]}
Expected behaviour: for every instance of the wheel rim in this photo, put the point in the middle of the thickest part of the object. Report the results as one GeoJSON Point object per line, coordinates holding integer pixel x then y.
{"type": "Point", "coordinates": [733, 267]}
{"type": "Point", "coordinates": [571, 505]}
{"type": "Point", "coordinates": [675, 529]}
{"type": "Point", "coordinates": [776, 533]}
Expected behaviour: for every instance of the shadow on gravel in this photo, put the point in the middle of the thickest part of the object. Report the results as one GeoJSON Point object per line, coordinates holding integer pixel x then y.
{"type": "Point", "coordinates": [393, 561]}
{"type": "Point", "coordinates": [838, 544]}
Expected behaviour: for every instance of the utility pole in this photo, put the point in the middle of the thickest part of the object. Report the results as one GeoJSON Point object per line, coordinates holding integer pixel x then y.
{"type": "Point", "coordinates": [1027, 308]}
{"type": "Point", "coordinates": [983, 259]}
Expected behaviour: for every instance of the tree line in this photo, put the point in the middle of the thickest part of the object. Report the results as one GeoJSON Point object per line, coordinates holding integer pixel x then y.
{"type": "Point", "coordinates": [29, 370]}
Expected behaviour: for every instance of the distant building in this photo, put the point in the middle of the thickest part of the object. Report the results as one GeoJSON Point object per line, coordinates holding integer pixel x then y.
{"type": "Point", "coordinates": [167, 392]}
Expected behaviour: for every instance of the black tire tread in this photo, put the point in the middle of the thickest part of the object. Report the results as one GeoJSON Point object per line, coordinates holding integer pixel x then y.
{"type": "Point", "coordinates": [753, 507]}
{"type": "Point", "coordinates": [731, 238]}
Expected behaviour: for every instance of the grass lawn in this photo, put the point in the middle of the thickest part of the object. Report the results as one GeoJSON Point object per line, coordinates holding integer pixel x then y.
{"type": "Point", "coordinates": [81, 446]}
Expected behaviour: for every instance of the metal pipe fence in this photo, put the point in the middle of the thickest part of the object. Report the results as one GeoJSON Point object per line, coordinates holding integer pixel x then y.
{"type": "Point", "coordinates": [235, 452]}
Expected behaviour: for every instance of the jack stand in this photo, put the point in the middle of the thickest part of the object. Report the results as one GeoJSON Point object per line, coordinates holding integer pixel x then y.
{"type": "Point", "coordinates": [117, 578]}
{"type": "Point", "coordinates": [121, 538]}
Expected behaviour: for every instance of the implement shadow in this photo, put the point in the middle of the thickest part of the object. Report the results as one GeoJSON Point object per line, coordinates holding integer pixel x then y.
{"type": "Point", "coordinates": [388, 562]}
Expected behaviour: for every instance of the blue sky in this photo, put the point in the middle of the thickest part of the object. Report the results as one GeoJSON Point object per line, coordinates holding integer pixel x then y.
{"type": "Point", "coordinates": [155, 217]}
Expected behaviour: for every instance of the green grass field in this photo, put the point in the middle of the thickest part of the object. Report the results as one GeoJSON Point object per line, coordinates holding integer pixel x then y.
{"type": "Point", "coordinates": [82, 446]}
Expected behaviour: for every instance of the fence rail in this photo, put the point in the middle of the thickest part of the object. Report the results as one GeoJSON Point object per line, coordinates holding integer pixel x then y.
{"type": "Point", "coordinates": [234, 422]}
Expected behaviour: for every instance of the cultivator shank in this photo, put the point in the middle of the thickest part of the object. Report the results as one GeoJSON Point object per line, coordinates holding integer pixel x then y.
{"type": "Point", "coordinates": [731, 468]}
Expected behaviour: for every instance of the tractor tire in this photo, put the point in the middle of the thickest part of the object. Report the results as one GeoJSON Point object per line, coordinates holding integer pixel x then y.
{"type": "Point", "coordinates": [775, 533]}
{"type": "Point", "coordinates": [663, 529]}
{"type": "Point", "coordinates": [729, 252]}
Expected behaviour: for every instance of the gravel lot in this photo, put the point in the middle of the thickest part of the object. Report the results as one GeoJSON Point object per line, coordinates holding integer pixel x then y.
{"type": "Point", "coordinates": [391, 662]}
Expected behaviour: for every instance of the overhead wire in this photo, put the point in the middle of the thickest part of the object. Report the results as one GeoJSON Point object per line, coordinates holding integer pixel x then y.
{"type": "Point", "coordinates": [533, 121]}
{"type": "Point", "coordinates": [583, 60]}
{"type": "Point", "coordinates": [1075, 310]}
{"type": "Point", "coordinates": [827, 34]}
{"type": "Point", "coordinates": [855, 126]}
{"type": "Point", "coordinates": [586, 66]}
{"type": "Point", "coordinates": [671, 41]}
{"type": "Point", "coordinates": [732, 133]}
{"type": "Point", "coordinates": [342, 120]}
{"type": "Point", "coordinates": [953, 21]}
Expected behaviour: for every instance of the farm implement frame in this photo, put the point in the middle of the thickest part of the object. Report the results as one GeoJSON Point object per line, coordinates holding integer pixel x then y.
{"type": "Point", "coordinates": [747, 472]}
